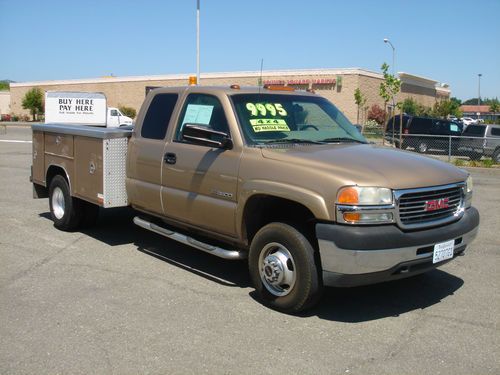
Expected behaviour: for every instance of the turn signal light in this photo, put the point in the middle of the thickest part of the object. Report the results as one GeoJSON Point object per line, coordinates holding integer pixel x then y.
{"type": "Point", "coordinates": [348, 196]}
{"type": "Point", "coordinates": [352, 216]}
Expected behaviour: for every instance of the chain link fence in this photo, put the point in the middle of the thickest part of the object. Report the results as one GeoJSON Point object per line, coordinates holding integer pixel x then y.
{"type": "Point", "coordinates": [449, 148]}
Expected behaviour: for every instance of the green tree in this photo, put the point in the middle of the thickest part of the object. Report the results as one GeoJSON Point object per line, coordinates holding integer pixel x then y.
{"type": "Point", "coordinates": [445, 108]}
{"type": "Point", "coordinates": [128, 111]}
{"type": "Point", "coordinates": [360, 100]}
{"type": "Point", "coordinates": [409, 106]}
{"type": "Point", "coordinates": [4, 86]}
{"type": "Point", "coordinates": [495, 107]}
{"type": "Point", "coordinates": [33, 100]}
{"type": "Point", "coordinates": [388, 89]}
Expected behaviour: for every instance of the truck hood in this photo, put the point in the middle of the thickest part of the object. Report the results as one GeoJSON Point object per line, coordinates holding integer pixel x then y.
{"type": "Point", "coordinates": [367, 165]}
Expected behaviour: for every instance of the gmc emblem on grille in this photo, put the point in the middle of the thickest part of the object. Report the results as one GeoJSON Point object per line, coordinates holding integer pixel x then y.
{"type": "Point", "coordinates": [437, 204]}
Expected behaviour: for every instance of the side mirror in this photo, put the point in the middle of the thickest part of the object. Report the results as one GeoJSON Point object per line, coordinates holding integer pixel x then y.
{"type": "Point", "coordinates": [202, 135]}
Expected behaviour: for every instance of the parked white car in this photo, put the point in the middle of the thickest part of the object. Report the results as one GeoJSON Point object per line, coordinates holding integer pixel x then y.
{"type": "Point", "coordinates": [117, 119]}
{"type": "Point", "coordinates": [468, 121]}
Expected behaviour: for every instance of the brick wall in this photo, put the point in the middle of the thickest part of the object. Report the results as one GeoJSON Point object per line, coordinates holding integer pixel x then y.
{"type": "Point", "coordinates": [131, 93]}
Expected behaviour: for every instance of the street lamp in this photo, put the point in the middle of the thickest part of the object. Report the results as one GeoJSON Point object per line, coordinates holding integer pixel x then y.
{"type": "Point", "coordinates": [478, 93]}
{"type": "Point", "coordinates": [393, 53]}
{"type": "Point", "coordinates": [197, 42]}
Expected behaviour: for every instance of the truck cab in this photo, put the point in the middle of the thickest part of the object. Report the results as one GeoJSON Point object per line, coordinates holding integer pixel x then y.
{"type": "Point", "coordinates": [116, 119]}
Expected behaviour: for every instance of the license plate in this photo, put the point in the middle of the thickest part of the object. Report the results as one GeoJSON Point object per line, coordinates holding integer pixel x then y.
{"type": "Point", "coordinates": [443, 251]}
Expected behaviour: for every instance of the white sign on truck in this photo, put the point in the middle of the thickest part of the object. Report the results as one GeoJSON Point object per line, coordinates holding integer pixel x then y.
{"type": "Point", "coordinates": [69, 107]}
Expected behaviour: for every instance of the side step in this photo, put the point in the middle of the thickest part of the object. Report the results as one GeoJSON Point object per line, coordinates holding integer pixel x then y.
{"type": "Point", "coordinates": [214, 250]}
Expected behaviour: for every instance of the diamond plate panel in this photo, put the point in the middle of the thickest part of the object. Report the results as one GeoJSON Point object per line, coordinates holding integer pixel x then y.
{"type": "Point", "coordinates": [114, 168]}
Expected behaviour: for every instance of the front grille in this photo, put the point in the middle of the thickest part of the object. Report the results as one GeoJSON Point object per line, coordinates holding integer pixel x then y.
{"type": "Point", "coordinates": [413, 205]}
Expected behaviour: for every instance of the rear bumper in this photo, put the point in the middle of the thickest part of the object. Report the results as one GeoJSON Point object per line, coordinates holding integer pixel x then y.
{"type": "Point", "coordinates": [352, 256]}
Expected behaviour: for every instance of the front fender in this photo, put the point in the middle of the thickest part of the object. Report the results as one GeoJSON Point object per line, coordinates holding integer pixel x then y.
{"type": "Point", "coordinates": [308, 198]}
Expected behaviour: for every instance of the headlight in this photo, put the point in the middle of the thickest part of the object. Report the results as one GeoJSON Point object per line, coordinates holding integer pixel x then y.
{"type": "Point", "coordinates": [468, 192]}
{"type": "Point", "coordinates": [361, 196]}
{"type": "Point", "coordinates": [365, 205]}
{"type": "Point", "coordinates": [468, 185]}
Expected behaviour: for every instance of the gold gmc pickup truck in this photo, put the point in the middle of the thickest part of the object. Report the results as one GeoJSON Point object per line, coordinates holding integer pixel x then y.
{"type": "Point", "coordinates": [277, 176]}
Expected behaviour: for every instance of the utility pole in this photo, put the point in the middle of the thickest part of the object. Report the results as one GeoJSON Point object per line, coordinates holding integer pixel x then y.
{"type": "Point", "coordinates": [197, 42]}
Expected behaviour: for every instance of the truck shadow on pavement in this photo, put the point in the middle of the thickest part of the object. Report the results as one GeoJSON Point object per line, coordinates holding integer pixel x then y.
{"type": "Point", "coordinates": [348, 305]}
{"type": "Point", "coordinates": [390, 299]}
{"type": "Point", "coordinates": [115, 227]}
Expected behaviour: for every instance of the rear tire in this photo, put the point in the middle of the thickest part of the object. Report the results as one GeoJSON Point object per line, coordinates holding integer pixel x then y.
{"type": "Point", "coordinates": [283, 268]}
{"type": "Point", "coordinates": [496, 156]}
{"type": "Point", "coordinates": [65, 211]}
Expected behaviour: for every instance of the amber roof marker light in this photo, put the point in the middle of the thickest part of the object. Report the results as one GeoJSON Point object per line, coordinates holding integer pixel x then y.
{"type": "Point", "coordinates": [235, 87]}
{"type": "Point", "coordinates": [278, 88]}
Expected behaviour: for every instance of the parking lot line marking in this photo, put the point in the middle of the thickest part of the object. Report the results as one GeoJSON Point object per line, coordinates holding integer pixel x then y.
{"type": "Point", "coordinates": [14, 141]}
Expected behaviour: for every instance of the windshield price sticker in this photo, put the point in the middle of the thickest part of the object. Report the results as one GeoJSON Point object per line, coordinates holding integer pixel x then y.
{"type": "Point", "coordinates": [266, 109]}
{"type": "Point", "coordinates": [269, 125]}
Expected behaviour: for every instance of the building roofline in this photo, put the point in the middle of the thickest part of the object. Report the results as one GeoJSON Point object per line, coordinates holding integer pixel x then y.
{"type": "Point", "coordinates": [185, 76]}
{"type": "Point", "coordinates": [413, 79]}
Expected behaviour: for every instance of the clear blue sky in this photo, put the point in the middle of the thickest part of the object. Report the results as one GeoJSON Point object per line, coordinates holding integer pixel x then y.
{"type": "Point", "coordinates": [450, 41]}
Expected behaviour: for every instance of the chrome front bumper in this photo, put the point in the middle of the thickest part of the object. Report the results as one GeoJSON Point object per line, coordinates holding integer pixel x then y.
{"type": "Point", "coordinates": [351, 267]}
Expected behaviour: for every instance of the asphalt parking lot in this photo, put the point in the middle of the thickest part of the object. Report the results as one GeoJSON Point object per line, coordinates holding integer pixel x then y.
{"type": "Point", "coordinates": [116, 299]}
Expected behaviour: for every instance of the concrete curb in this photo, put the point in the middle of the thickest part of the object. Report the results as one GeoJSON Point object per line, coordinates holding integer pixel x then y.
{"type": "Point", "coordinates": [18, 123]}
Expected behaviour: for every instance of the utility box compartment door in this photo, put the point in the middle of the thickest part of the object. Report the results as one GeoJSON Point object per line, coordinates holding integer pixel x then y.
{"type": "Point", "coordinates": [88, 183]}
{"type": "Point", "coordinates": [100, 171]}
{"type": "Point", "coordinates": [59, 144]}
{"type": "Point", "coordinates": [38, 158]}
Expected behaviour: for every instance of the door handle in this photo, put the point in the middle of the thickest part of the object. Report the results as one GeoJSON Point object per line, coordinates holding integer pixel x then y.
{"type": "Point", "coordinates": [170, 158]}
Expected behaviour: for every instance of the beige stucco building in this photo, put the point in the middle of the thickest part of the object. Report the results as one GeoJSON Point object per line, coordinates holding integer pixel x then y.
{"type": "Point", "coordinates": [338, 85]}
{"type": "Point", "coordinates": [4, 102]}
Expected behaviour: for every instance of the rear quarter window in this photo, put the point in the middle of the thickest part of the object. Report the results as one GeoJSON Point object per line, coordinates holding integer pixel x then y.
{"type": "Point", "coordinates": [420, 125]}
{"type": "Point", "coordinates": [475, 130]}
{"type": "Point", "coordinates": [158, 116]}
{"type": "Point", "coordinates": [495, 132]}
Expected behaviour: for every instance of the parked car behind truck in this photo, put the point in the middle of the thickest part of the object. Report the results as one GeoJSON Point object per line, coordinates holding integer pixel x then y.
{"type": "Point", "coordinates": [482, 140]}
{"type": "Point", "coordinates": [280, 178]}
{"type": "Point", "coordinates": [423, 133]}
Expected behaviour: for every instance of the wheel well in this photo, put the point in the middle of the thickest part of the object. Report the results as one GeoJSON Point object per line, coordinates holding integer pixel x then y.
{"type": "Point", "coordinates": [262, 209]}
{"type": "Point", "coordinates": [53, 171]}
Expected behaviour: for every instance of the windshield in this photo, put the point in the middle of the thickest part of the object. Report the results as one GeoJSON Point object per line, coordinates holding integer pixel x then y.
{"type": "Point", "coordinates": [275, 118]}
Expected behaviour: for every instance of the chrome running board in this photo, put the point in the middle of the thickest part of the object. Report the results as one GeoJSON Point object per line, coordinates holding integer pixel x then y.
{"type": "Point", "coordinates": [214, 250]}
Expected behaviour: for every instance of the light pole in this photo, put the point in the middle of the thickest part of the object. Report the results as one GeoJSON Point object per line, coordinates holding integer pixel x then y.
{"type": "Point", "coordinates": [478, 93]}
{"type": "Point", "coordinates": [197, 42]}
{"type": "Point", "coordinates": [393, 54]}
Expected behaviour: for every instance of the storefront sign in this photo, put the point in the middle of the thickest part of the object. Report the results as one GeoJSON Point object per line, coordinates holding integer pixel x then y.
{"type": "Point", "coordinates": [320, 81]}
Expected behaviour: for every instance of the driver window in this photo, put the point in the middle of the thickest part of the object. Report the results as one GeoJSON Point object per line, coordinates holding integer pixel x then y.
{"type": "Point", "coordinates": [202, 110]}
{"type": "Point", "coordinates": [114, 112]}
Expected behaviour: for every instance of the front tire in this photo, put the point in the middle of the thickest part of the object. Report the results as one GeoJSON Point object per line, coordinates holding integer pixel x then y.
{"type": "Point", "coordinates": [283, 268]}
{"type": "Point", "coordinates": [66, 211]}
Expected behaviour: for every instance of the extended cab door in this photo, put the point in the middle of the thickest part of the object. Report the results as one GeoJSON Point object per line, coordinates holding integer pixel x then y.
{"type": "Point", "coordinates": [145, 153]}
{"type": "Point", "coordinates": [200, 182]}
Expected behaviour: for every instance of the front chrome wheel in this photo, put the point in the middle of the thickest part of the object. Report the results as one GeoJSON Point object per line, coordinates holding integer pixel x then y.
{"type": "Point", "coordinates": [58, 205]}
{"type": "Point", "coordinates": [277, 269]}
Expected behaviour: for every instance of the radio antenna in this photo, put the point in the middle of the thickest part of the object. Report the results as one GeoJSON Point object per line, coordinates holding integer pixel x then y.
{"type": "Point", "coordinates": [260, 78]}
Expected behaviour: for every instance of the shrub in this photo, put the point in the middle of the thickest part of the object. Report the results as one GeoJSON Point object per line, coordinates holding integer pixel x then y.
{"type": "Point", "coordinates": [128, 111]}
{"type": "Point", "coordinates": [377, 114]}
